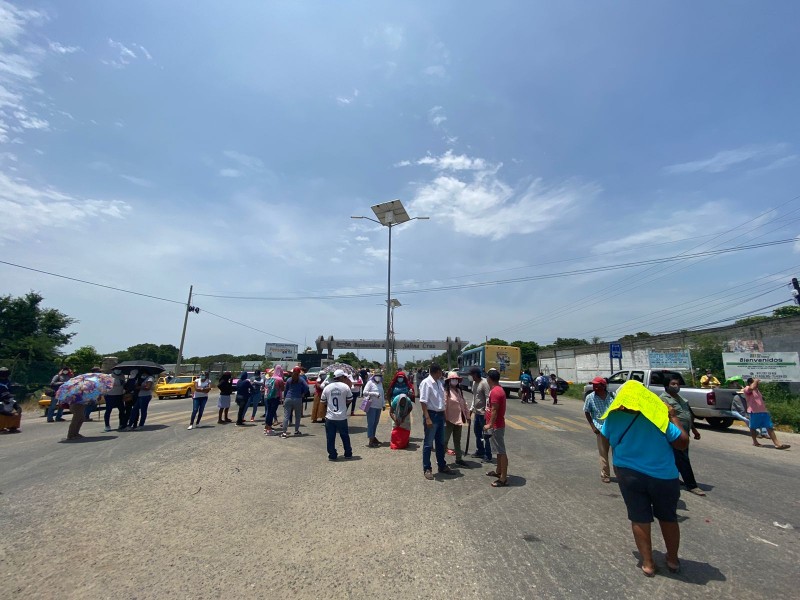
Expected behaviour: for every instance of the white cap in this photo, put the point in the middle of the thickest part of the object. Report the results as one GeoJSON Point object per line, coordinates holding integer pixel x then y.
{"type": "Point", "coordinates": [339, 373]}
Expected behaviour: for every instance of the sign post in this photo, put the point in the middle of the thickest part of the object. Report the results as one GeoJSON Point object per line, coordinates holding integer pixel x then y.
{"type": "Point", "coordinates": [615, 351]}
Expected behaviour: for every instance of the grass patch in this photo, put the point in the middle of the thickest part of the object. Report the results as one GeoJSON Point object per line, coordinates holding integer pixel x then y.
{"type": "Point", "coordinates": [782, 405]}
{"type": "Point", "coordinates": [575, 391]}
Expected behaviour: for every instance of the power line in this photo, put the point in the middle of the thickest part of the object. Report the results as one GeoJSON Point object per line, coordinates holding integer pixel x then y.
{"type": "Point", "coordinates": [117, 289]}
{"type": "Point", "coordinates": [478, 284]}
{"type": "Point", "coordinates": [100, 285]}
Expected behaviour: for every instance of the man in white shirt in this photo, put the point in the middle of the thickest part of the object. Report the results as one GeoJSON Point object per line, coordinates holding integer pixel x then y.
{"type": "Point", "coordinates": [337, 396]}
{"type": "Point", "coordinates": [431, 398]}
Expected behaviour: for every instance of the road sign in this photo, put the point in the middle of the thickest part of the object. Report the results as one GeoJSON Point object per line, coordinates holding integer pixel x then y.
{"type": "Point", "coordinates": [767, 366]}
{"type": "Point", "coordinates": [680, 360]}
{"type": "Point", "coordinates": [615, 350]}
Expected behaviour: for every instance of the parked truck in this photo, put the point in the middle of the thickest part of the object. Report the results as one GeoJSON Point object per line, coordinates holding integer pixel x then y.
{"type": "Point", "coordinates": [712, 405]}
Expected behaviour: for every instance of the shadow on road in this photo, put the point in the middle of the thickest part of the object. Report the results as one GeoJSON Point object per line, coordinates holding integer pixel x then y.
{"type": "Point", "coordinates": [355, 430]}
{"type": "Point", "coordinates": [155, 427]}
{"type": "Point", "coordinates": [692, 571]}
{"type": "Point", "coordinates": [83, 440]}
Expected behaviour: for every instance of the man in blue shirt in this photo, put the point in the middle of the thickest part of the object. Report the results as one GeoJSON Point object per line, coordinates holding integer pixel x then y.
{"type": "Point", "coordinates": [648, 478]}
{"type": "Point", "coordinates": [594, 407]}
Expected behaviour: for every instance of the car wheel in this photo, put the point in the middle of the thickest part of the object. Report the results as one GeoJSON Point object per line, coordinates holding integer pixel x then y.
{"type": "Point", "coordinates": [188, 393]}
{"type": "Point", "coordinates": [719, 423]}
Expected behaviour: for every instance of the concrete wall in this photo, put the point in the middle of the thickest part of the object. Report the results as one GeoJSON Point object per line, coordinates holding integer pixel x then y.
{"type": "Point", "coordinates": [582, 363]}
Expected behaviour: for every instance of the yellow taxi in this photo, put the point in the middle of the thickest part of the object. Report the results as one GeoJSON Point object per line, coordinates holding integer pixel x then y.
{"type": "Point", "coordinates": [181, 386]}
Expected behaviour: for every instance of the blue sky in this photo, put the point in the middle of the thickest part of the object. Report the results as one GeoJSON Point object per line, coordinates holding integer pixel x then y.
{"type": "Point", "coordinates": [154, 145]}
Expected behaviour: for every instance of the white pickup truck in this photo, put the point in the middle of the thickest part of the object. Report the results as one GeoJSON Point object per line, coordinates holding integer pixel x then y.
{"type": "Point", "coordinates": [713, 405]}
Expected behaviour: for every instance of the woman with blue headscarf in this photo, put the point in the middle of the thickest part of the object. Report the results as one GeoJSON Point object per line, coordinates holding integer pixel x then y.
{"type": "Point", "coordinates": [244, 388]}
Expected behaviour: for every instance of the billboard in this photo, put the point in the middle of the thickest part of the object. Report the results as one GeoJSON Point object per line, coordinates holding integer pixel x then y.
{"type": "Point", "coordinates": [280, 351]}
{"type": "Point", "coordinates": [680, 360]}
{"type": "Point", "coordinates": [767, 366]}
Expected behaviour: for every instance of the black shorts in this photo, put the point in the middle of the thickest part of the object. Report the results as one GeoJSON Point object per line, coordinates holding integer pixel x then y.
{"type": "Point", "coordinates": [647, 497]}
{"type": "Point", "coordinates": [113, 401]}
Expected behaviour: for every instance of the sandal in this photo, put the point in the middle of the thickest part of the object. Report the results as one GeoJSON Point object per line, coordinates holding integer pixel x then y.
{"type": "Point", "coordinates": [649, 573]}
{"type": "Point", "coordinates": [492, 474]}
{"type": "Point", "coordinates": [500, 483]}
{"type": "Point", "coordinates": [783, 447]}
{"type": "Point", "coordinates": [676, 569]}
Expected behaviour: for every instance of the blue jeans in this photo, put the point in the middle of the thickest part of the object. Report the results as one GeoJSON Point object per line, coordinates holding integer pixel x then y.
{"type": "Point", "coordinates": [272, 411]}
{"type": "Point", "coordinates": [254, 400]}
{"type": "Point", "coordinates": [434, 436]}
{"type": "Point", "coordinates": [113, 402]}
{"type": "Point", "coordinates": [198, 406]}
{"type": "Point", "coordinates": [292, 405]}
{"type": "Point", "coordinates": [482, 445]}
{"type": "Point", "coordinates": [52, 409]}
{"type": "Point", "coordinates": [139, 408]}
{"type": "Point", "coordinates": [331, 429]}
{"type": "Point", "coordinates": [373, 417]}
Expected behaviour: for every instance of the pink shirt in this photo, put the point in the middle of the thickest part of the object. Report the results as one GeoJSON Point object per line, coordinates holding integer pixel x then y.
{"type": "Point", "coordinates": [755, 401]}
{"type": "Point", "coordinates": [455, 408]}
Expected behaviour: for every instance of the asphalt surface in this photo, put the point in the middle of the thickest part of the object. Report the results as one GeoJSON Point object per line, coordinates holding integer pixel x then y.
{"type": "Point", "coordinates": [223, 512]}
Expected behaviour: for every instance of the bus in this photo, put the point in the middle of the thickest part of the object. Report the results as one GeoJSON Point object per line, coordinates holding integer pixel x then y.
{"type": "Point", "coordinates": [506, 359]}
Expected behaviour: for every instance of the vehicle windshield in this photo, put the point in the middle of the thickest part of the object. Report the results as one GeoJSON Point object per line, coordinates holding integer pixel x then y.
{"type": "Point", "coordinates": [183, 379]}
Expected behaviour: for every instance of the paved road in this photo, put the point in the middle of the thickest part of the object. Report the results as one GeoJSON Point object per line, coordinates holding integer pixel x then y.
{"type": "Point", "coordinates": [223, 512]}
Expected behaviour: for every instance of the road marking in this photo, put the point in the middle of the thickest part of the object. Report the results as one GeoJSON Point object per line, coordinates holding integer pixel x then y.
{"type": "Point", "coordinates": [571, 423]}
{"type": "Point", "coordinates": [513, 425]}
{"type": "Point", "coordinates": [535, 423]}
{"type": "Point", "coordinates": [570, 427]}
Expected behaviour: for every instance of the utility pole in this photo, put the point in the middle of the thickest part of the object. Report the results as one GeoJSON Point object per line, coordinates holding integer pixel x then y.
{"type": "Point", "coordinates": [189, 308]}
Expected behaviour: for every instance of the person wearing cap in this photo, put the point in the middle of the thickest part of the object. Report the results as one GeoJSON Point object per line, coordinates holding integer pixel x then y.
{"type": "Point", "coordinates": [431, 399]}
{"type": "Point", "coordinates": [477, 412]}
{"type": "Point", "coordinates": [708, 380]}
{"type": "Point", "coordinates": [374, 391]}
{"type": "Point", "coordinates": [455, 414]}
{"type": "Point", "coordinates": [594, 407]}
{"type": "Point", "coordinates": [496, 426]}
{"type": "Point", "coordinates": [336, 396]}
{"type": "Point", "coordinates": [10, 410]}
{"type": "Point", "coordinates": [296, 389]}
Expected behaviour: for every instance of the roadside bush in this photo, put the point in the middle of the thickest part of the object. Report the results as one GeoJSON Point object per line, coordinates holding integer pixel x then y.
{"type": "Point", "coordinates": [782, 404]}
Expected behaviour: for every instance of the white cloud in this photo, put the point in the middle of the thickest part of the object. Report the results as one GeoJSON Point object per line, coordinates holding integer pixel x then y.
{"type": "Point", "coordinates": [230, 173]}
{"type": "Point", "coordinates": [125, 55]}
{"type": "Point", "coordinates": [726, 159]}
{"type": "Point", "coordinates": [28, 121]}
{"type": "Point", "coordinates": [468, 194]}
{"type": "Point", "coordinates": [435, 71]}
{"type": "Point", "coordinates": [450, 162]}
{"type": "Point", "coordinates": [436, 116]}
{"type": "Point", "coordinates": [61, 49]}
{"type": "Point", "coordinates": [28, 210]}
{"type": "Point", "coordinates": [362, 238]}
{"type": "Point", "coordinates": [138, 181]}
{"type": "Point", "coordinates": [390, 36]}
{"type": "Point", "coordinates": [381, 254]}
{"type": "Point", "coordinates": [345, 100]}
{"type": "Point", "coordinates": [250, 162]}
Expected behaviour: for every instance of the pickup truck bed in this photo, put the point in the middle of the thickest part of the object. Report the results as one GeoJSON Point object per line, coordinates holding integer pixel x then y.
{"type": "Point", "coordinates": [712, 405]}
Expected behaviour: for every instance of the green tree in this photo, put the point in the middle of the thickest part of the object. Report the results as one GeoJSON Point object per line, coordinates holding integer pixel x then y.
{"type": "Point", "coordinates": [165, 353]}
{"type": "Point", "coordinates": [753, 320]}
{"type": "Point", "coordinates": [527, 352]}
{"type": "Point", "coordinates": [786, 311]}
{"type": "Point", "coordinates": [569, 342]}
{"type": "Point", "coordinates": [83, 359]}
{"type": "Point", "coordinates": [707, 354]}
{"type": "Point", "coordinates": [349, 358]}
{"type": "Point", "coordinates": [29, 332]}
{"type": "Point", "coordinates": [497, 342]}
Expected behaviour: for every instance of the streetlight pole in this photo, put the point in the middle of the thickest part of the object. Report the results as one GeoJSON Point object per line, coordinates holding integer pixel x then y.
{"type": "Point", "coordinates": [389, 214]}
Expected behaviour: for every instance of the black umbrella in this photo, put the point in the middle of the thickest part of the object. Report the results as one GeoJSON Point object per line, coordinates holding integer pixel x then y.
{"type": "Point", "coordinates": [143, 366]}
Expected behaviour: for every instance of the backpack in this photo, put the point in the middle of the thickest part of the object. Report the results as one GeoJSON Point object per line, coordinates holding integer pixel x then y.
{"type": "Point", "coordinates": [270, 389]}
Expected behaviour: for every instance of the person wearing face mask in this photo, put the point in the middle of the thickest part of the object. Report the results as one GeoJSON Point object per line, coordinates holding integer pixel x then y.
{"type": "Point", "coordinates": [594, 407]}
{"type": "Point", "coordinates": [202, 386]}
{"type": "Point", "coordinates": [63, 375]}
{"type": "Point", "coordinates": [374, 391]}
{"type": "Point", "coordinates": [144, 393]}
{"type": "Point", "coordinates": [114, 400]}
{"type": "Point", "coordinates": [672, 398]}
{"type": "Point", "coordinates": [400, 384]}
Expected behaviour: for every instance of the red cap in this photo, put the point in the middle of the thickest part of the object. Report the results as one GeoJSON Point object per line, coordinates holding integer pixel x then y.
{"type": "Point", "coordinates": [599, 381]}
{"type": "Point", "coordinates": [297, 370]}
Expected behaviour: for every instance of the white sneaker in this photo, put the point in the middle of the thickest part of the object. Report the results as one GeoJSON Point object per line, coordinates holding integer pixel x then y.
{"type": "Point", "coordinates": [190, 427]}
{"type": "Point", "coordinates": [107, 429]}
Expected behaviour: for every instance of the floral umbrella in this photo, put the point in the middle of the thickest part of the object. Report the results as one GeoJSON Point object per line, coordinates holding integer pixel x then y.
{"type": "Point", "coordinates": [84, 389]}
{"type": "Point", "coordinates": [349, 371]}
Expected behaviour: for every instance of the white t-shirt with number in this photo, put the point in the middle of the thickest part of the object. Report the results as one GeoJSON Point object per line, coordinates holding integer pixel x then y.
{"type": "Point", "coordinates": [335, 396]}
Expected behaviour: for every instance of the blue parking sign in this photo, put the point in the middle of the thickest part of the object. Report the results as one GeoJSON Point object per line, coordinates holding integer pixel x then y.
{"type": "Point", "coordinates": [615, 350]}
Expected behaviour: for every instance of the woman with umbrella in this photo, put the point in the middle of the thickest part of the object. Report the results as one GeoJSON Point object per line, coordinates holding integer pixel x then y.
{"type": "Point", "coordinates": [77, 393]}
